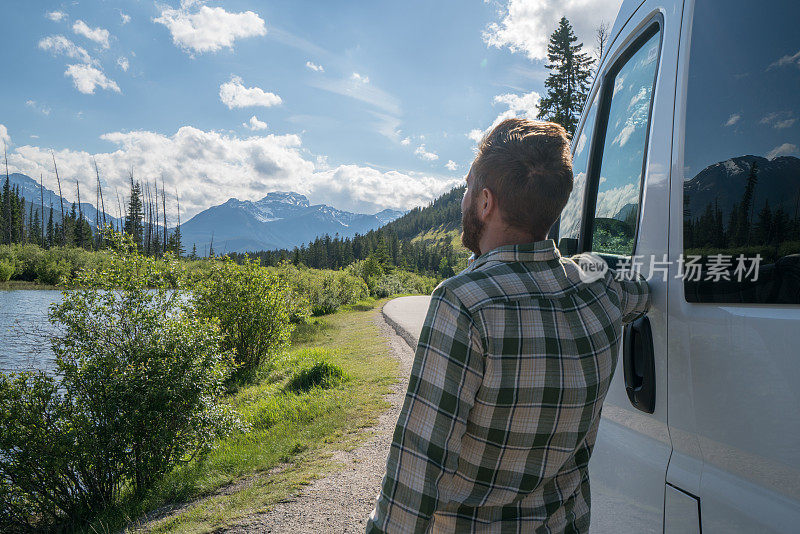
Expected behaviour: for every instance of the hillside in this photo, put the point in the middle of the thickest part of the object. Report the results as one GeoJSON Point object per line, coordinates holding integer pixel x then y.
{"type": "Point", "coordinates": [34, 197]}
{"type": "Point", "coordinates": [437, 224]}
{"type": "Point", "coordinates": [425, 240]}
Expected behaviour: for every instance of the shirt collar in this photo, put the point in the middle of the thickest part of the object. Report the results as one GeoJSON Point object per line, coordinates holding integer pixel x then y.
{"type": "Point", "coordinates": [537, 251]}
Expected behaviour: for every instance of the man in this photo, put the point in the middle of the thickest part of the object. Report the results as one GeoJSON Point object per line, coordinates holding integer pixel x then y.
{"type": "Point", "coordinates": [513, 362]}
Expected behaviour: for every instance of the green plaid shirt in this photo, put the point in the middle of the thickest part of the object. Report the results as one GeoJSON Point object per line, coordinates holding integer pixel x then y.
{"type": "Point", "coordinates": [513, 363]}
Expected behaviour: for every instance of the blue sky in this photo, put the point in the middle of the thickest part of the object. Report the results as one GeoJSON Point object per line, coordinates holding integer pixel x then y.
{"type": "Point", "coordinates": [360, 105]}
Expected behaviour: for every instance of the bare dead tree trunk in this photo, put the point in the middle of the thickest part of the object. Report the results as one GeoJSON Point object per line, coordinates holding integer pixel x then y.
{"type": "Point", "coordinates": [178, 236]}
{"type": "Point", "coordinates": [602, 36]}
{"type": "Point", "coordinates": [158, 232]}
{"type": "Point", "coordinates": [61, 200]}
{"type": "Point", "coordinates": [164, 209]}
{"type": "Point", "coordinates": [41, 195]}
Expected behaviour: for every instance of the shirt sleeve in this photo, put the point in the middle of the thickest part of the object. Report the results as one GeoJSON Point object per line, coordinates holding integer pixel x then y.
{"type": "Point", "coordinates": [447, 372]}
{"type": "Point", "coordinates": [633, 292]}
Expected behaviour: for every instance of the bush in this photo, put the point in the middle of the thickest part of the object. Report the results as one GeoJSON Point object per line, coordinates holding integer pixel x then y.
{"type": "Point", "coordinates": [325, 291]}
{"type": "Point", "coordinates": [6, 270]}
{"type": "Point", "coordinates": [332, 290]}
{"type": "Point", "coordinates": [322, 374]}
{"type": "Point", "coordinates": [53, 271]}
{"type": "Point", "coordinates": [252, 307]}
{"type": "Point", "coordinates": [140, 375]}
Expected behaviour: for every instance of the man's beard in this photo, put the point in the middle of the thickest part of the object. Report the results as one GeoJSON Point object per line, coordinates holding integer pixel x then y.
{"type": "Point", "coordinates": [472, 229]}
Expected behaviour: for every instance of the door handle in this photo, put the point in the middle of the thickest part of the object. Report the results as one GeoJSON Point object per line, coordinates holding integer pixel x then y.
{"type": "Point", "coordinates": [639, 365]}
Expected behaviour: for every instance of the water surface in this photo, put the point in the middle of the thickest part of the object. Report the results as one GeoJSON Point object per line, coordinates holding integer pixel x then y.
{"type": "Point", "coordinates": [25, 331]}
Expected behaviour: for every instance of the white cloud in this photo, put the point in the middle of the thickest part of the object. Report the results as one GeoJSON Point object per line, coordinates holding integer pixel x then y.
{"type": "Point", "coordinates": [60, 45]}
{"type": "Point", "coordinates": [360, 90]}
{"type": "Point", "coordinates": [526, 25]}
{"type": "Point", "coordinates": [98, 35]}
{"type": "Point", "coordinates": [41, 108]}
{"type": "Point", "coordinates": [123, 63]}
{"type": "Point", "coordinates": [636, 118]}
{"type": "Point", "coordinates": [125, 17]}
{"type": "Point", "coordinates": [733, 119]}
{"type": "Point", "coordinates": [525, 106]}
{"type": "Point", "coordinates": [315, 67]}
{"type": "Point", "coordinates": [788, 60]}
{"type": "Point", "coordinates": [611, 201]}
{"type": "Point", "coordinates": [255, 124]}
{"type": "Point", "coordinates": [451, 165]}
{"type": "Point", "coordinates": [476, 135]}
{"type": "Point", "coordinates": [406, 141]}
{"type": "Point", "coordinates": [359, 78]}
{"type": "Point", "coordinates": [424, 154]}
{"type": "Point", "coordinates": [367, 190]}
{"type": "Point", "coordinates": [56, 16]}
{"type": "Point", "coordinates": [4, 137]}
{"type": "Point", "coordinates": [208, 167]}
{"type": "Point", "coordinates": [779, 120]}
{"type": "Point", "coordinates": [235, 95]}
{"type": "Point", "coordinates": [87, 78]}
{"type": "Point", "coordinates": [785, 149]}
{"type": "Point", "coordinates": [208, 29]}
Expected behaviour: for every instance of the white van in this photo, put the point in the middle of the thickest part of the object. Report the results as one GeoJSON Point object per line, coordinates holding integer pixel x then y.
{"type": "Point", "coordinates": [687, 163]}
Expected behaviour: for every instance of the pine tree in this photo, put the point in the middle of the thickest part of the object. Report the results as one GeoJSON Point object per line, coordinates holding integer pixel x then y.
{"type": "Point", "coordinates": [135, 215]}
{"type": "Point", "coordinates": [569, 79]}
{"type": "Point", "coordinates": [743, 228]}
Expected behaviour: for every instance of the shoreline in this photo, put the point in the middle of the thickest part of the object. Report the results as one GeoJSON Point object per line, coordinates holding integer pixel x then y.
{"type": "Point", "coordinates": [12, 285]}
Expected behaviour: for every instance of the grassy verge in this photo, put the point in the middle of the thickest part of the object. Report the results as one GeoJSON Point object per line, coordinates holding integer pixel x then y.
{"type": "Point", "coordinates": [22, 284]}
{"type": "Point", "coordinates": [293, 429]}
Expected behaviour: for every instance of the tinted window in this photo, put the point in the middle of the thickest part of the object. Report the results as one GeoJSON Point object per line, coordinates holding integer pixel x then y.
{"type": "Point", "coordinates": [619, 185]}
{"type": "Point", "coordinates": [569, 225]}
{"type": "Point", "coordinates": [741, 155]}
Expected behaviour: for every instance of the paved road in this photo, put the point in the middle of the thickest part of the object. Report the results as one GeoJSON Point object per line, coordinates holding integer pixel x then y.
{"type": "Point", "coordinates": [406, 315]}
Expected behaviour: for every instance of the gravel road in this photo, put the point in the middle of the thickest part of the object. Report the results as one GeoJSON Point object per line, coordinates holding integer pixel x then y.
{"type": "Point", "coordinates": [341, 502]}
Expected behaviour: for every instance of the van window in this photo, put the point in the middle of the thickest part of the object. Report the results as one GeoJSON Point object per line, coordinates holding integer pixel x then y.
{"type": "Point", "coordinates": [623, 155]}
{"type": "Point", "coordinates": [570, 222]}
{"type": "Point", "coordinates": [741, 189]}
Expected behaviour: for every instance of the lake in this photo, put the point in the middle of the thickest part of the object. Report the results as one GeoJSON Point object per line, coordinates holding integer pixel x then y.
{"type": "Point", "coordinates": [25, 330]}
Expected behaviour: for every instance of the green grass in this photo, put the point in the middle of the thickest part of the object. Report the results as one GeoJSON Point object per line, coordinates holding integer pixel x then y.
{"type": "Point", "coordinates": [441, 235]}
{"type": "Point", "coordinates": [344, 367]}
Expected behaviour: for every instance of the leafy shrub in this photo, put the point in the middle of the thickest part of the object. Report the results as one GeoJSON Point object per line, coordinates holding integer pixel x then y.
{"type": "Point", "coordinates": [385, 283]}
{"type": "Point", "coordinates": [332, 290]}
{"type": "Point", "coordinates": [41, 468]}
{"type": "Point", "coordinates": [6, 270]}
{"type": "Point", "coordinates": [387, 286]}
{"type": "Point", "coordinates": [322, 374]}
{"type": "Point", "coordinates": [140, 375]}
{"type": "Point", "coordinates": [325, 291]}
{"type": "Point", "coordinates": [55, 266]}
{"type": "Point", "coordinates": [252, 307]}
{"type": "Point", "coordinates": [53, 271]}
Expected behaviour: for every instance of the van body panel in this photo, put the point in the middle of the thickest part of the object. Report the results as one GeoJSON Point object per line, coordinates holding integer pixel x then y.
{"type": "Point", "coordinates": [734, 369]}
{"type": "Point", "coordinates": [631, 455]}
{"type": "Point", "coordinates": [681, 512]}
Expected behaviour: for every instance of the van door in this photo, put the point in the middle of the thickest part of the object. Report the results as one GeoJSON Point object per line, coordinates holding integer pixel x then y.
{"type": "Point", "coordinates": [619, 210]}
{"type": "Point", "coordinates": [734, 362]}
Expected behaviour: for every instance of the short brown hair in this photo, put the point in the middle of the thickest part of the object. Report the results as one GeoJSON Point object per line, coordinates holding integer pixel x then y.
{"type": "Point", "coordinates": [527, 165]}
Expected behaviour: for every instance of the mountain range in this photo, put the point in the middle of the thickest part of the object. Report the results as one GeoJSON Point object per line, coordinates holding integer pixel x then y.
{"type": "Point", "coordinates": [723, 184]}
{"type": "Point", "coordinates": [29, 189]}
{"type": "Point", "coordinates": [279, 220]}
